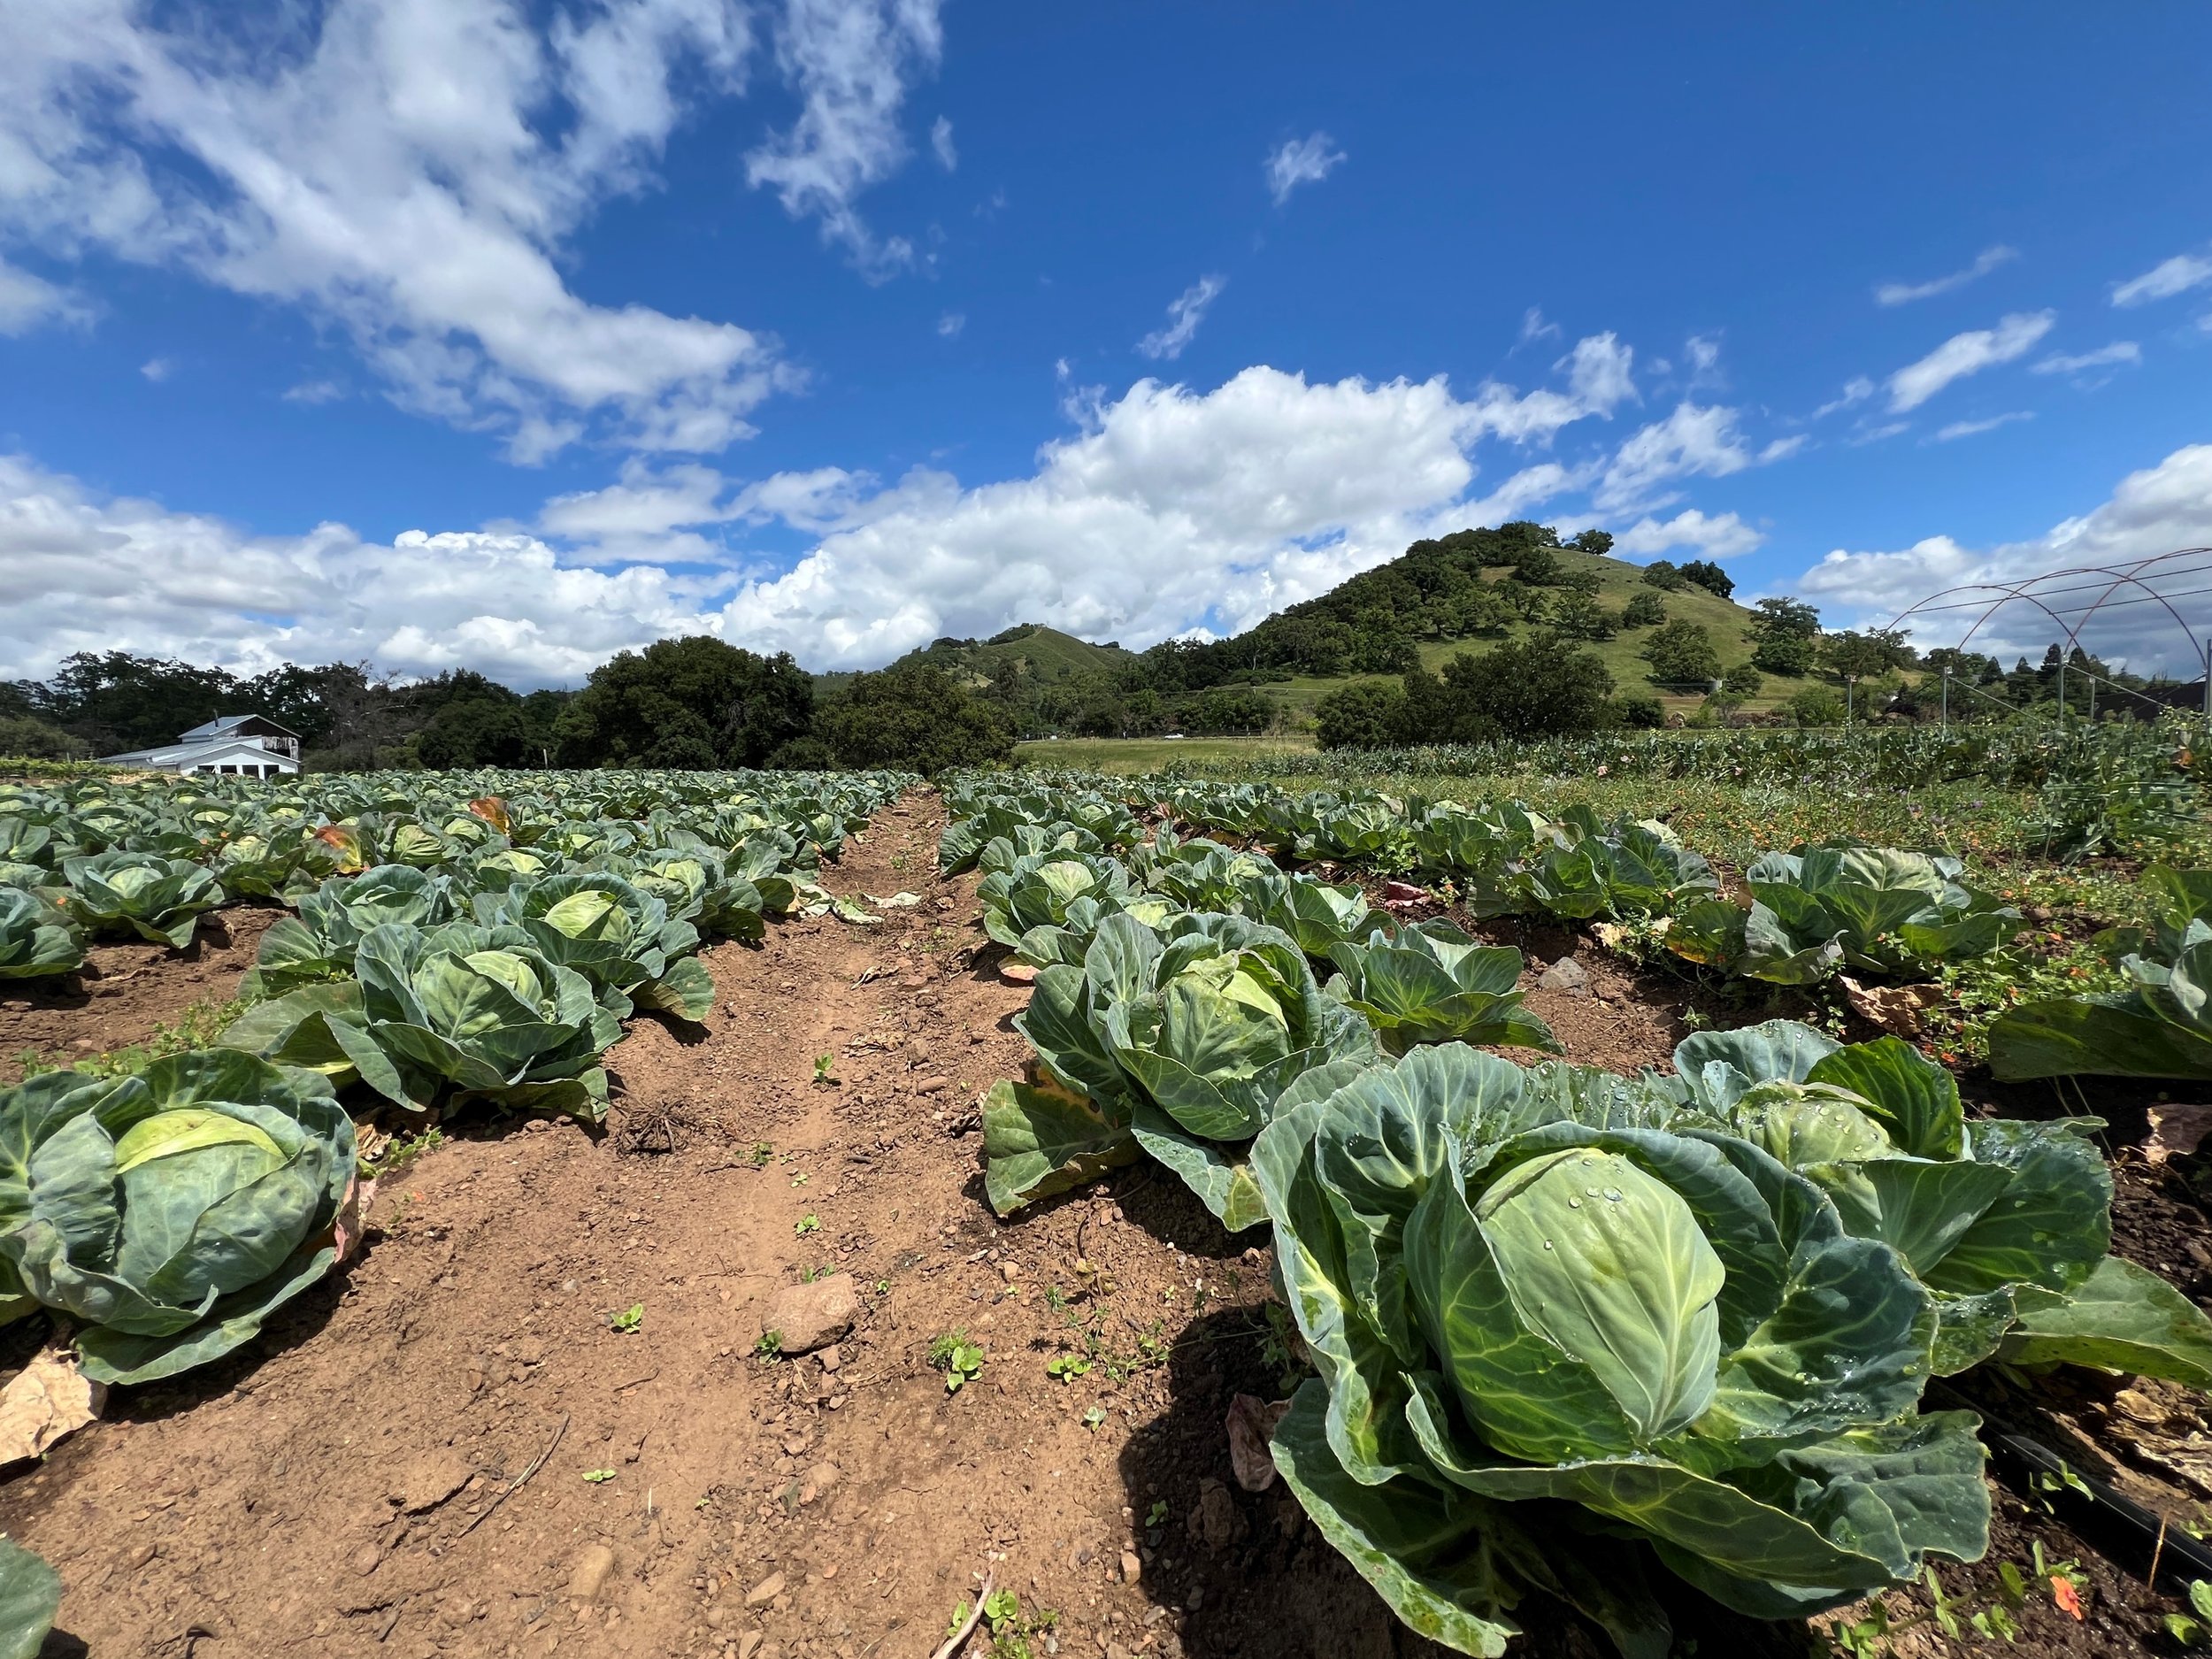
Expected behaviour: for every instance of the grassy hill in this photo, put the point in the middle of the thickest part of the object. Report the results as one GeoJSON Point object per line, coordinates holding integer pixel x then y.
{"type": "Point", "coordinates": [1044, 655]}
{"type": "Point", "coordinates": [1617, 582]}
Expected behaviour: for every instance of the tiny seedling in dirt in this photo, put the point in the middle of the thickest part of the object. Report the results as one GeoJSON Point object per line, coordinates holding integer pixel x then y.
{"type": "Point", "coordinates": [599, 1477]}
{"type": "Point", "coordinates": [823, 1076]}
{"type": "Point", "coordinates": [961, 1360]}
{"type": "Point", "coordinates": [1010, 1628]}
{"type": "Point", "coordinates": [1156, 1515]}
{"type": "Point", "coordinates": [801, 1178]}
{"type": "Point", "coordinates": [1067, 1367]}
{"type": "Point", "coordinates": [807, 1223]}
{"type": "Point", "coordinates": [2194, 1632]}
{"type": "Point", "coordinates": [770, 1345]}
{"type": "Point", "coordinates": [762, 1152]}
{"type": "Point", "coordinates": [1094, 1416]}
{"type": "Point", "coordinates": [628, 1320]}
{"type": "Point", "coordinates": [401, 1152]}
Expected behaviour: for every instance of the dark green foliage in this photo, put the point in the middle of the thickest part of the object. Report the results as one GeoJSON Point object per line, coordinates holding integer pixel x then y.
{"type": "Point", "coordinates": [1596, 541]}
{"type": "Point", "coordinates": [1784, 654]}
{"type": "Point", "coordinates": [1742, 680]}
{"type": "Point", "coordinates": [1537, 566]}
{"type": "Point", "coordinates": [1643, 610]}
{"type": "Point", "coordinates": [1709, 576]}
{"type": "Point", "coordinates": [1814, 705]}
{"type": "Point", "coordinates": [484, 731]}
{"type": "Point", "coordinates": [1579, 616]}
{"type": "Point", "coordinates": [1645, 714]}
{"type": "Point", "coordinates": [1540, 686]}
{"type": "Point", "coordinates": [1877, 651]}
{"type": "Point", "coordinates": [691, 705]}
{"type": "Point", "coordinates": [28, 737]}
{"type": "Point", "coordinates": [1367, 714]}
{"type": "Point", "coordinates": [1680, 653]}
{"type": "Point", "coordinates": [913, 717]}
{"type": "Point", "coordinates": [1664, 574]}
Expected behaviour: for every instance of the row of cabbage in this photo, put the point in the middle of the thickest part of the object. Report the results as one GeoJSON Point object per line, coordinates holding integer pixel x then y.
{"type": "Point", "coordinates": [1549, 1306]}
{"type": "Point", "coordinates": [472, 941]}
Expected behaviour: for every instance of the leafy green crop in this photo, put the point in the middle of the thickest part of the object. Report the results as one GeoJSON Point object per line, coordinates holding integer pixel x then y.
{"type": "Point", "coordinates": [1673, 1332]}
{"type": "Point", "coordinates": [30, 1595]}
{"type": "Point", "coordinates": [1176, 1042]}
{"type": "Point", "coordinates": [160, 898]}
{"type": "Point", "coordinates": [1872, 909]}
{"type": "Point", "coordinates": [36, 938]}
{"type": "Point", "coordinates": [171, 1212]}
{"type": "Point", "coordinates": [318, 943]}
{"type": "Point", "coordinates": [1431, 983]}
{"type": "Point", "coordinates": [618, 937]}
{"type": "Point", "coordinates": [2159, 1027]}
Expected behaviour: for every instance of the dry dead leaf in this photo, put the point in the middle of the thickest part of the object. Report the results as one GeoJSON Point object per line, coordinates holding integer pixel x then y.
{"type": "Point", "coordinates": [1894, 1008]}
{"type": "Point", "coordinates": [48, 1399]}
{"type": "Point", "coordinates": [1251, 1425]}
{"type": "Point", "coordinates": [2176, 1132]}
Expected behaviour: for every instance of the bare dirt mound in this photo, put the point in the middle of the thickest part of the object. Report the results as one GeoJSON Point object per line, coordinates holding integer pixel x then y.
{"type": "Point", "coordinates": [124, 989]}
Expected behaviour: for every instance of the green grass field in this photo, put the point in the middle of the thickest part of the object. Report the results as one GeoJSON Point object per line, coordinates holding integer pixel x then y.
{"type": "Point", "coordinates": [1129, 755]}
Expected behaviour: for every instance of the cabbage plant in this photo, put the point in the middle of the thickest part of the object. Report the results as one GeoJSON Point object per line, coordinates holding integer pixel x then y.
{"type": "Point", "coordinates": [30, 1598]}
{"type": "Point", "coordinates": [618, 936]}
{"type": "Point", "coordinates": [318, 943]}
{"type": "Point", "coordinates": [1432, 983]}
{"type": "Point", "coordinates": [2159, 1026]}
{"type": "Point", "coordinates": [37, 940]}
{"type": "Point", "coordinates": [1036, 890]}
{"type": "Point", "coordinates": [1872, 909]}
{"type": "Point", "coordinates": [1583, 868]}
{"type": "Point", "coordinates": [1178, 1040]}
{"type": "Point", "coordinates": [160, 898]}
{"type": "Point", "coordinates": [1674, 1332]}
{"type": "Point", "coordinates": [1319, 916]}
{"type": "Point", "coordinates": [169, 1213]}
{"type": "Point", "coordinates": [478, 1012]}
{"type": "Point", "coordinates": [2008, 1223]}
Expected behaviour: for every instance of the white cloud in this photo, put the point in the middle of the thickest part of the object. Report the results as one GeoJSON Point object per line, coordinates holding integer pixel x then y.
{"type": "Point", "coordinates": [940, 144]}
{"type": "Point", "coordinates": [2156, 510]}
{"type": "Point", "coordinates": [1693, 440]}
{"type": "Point", "coordinates": [1782, 448]}
{"type": "Point", "coordinates": [1973, 428]}
{"type": "Point", "coordinates": [1904, 293]}
{"type": "Point", "coordinates": [1970, 353]}
{"type": "Point", "coordinates": [1600, 377]}
{"type": "Point", "coordinates": [412, 173]}
{"type": "Point", "coordinates": [315, 392]}
{"type": "Point", "coordinates": [1722, 537]}
{"type": "Point", "coordinates": [1855, 390]}
{"type": "Point", "coordinates": [1169, 508]}
{"type": "Point", "coordinates": [27, 300]}
{"type": "Point", "coordinates": [1703, 351]}
{"type": "Point", "coordinates": [850, 60]}
{"type": "Point", "coordinates": [83, 572]}
{"type": "Point", "coordinates": [951, 323]}
{"type": "Point", "coordinates": [1534, 328]}
{"type": "Point", "coordinates": [158, 368]}
{"type": "Point", "coordinates": [2164, 280]}
{"type": "Point", "coordinates": [2104, 357]}
{"type": "Point", "coordinates": [1184, 312]}
{"type": "Point", "coordinates": [1298, 161]}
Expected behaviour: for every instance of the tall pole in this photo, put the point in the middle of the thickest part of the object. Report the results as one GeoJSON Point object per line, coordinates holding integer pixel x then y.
{"type": "Point", "coordinates": [1947, 696]}
{"type": "Point", "coordinates": [2208, 679]}
{"type": "Point", "coordinates": [2062, 691]}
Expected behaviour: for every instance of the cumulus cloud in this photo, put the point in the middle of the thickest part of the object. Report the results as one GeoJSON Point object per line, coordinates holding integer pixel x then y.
{"type": "Point", "coordinates": [2164, 280]}
{"type": "Point", "coordinates": [79, 570]}
{"type": "Point", "coordinates": [1168, 508]}
{"type": "Point", "coordinates": [851, 61]}
{"type": "Point", "coordinates": [1906, 293]}
{"type": "Point", "coordinates": [1298, 161]}
{"type": "Point", "coordinates": [1693, 440]}
{"type": "Point", "coordinates": [414, 175]}
{"type": "Point", "coordinates": [1970, 353]}
{"type": "Point", "coordinates": [2156, 510]}
{"type": "Point", "coordinates": [1973, 428]}
{"type": "Point", "coordinates": [1184, 312]}
{"type": "Point", "coordinates": [1722, 537]}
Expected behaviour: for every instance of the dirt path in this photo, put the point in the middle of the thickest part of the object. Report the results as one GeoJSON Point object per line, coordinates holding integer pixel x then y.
{"type": "Point", "coordinates": [332, 1489]}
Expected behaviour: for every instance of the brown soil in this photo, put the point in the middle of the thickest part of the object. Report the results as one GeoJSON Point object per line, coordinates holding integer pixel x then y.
{"type": "Point", "coordinates": [334, 1489]}
{"type": "Point", "coordinates": [127, 988]}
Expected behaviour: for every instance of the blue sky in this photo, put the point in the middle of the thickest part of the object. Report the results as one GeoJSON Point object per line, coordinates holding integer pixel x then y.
{"type": "Point", "coordinates": [438, 332]}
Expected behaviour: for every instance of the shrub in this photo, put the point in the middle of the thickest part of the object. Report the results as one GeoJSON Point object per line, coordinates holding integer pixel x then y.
{"type": "Point", "coordinates": [1645, 714]}
{"type": "Point", "coordinates": [1681, 652]}
{"type": "Point", "coordinates": [1791, 654]}
{"type": "Point", "coordinates": [1814, 705]}
{"type": "Point", "coordinates": [1643, 610]}
{"type": "Point", "coordinates": [1742, 680]}
{"type": "Point", "coordinates": [1664, 574]}
{"type": "Point", "coordinates": [1368, 714]}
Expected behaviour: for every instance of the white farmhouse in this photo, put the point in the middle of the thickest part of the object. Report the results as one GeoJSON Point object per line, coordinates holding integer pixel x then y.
{"type": "Point", "coordinates": [236, 745]}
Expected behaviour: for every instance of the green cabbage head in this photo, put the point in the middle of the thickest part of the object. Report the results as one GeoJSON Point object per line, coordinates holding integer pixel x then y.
{"type": "Point", "coordinates": [1673, 1332]}
{"type": "Point", "coordinates": [169, 1213]}
{"type": "Point", "coordinates": [160, 898]}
